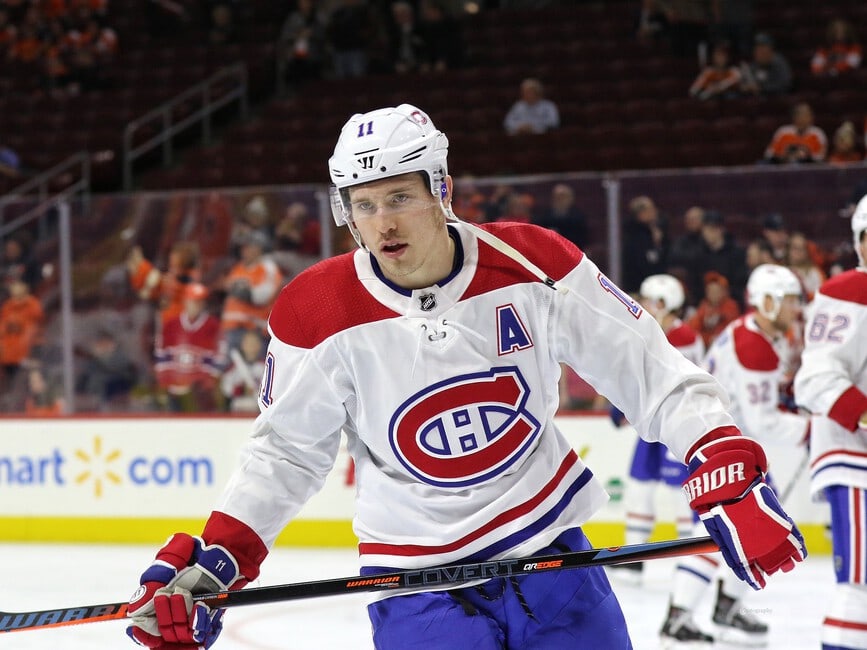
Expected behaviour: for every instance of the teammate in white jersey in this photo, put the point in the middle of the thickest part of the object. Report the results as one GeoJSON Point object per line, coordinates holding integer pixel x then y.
{"type": "Point", "coordinates": [832, 384]}
{"type": "Point", "coordinates": [654, 467]}
{"type": "Point", "coordinates": [749, 358]}
{"type": "Point", "coordinates": [436, 348]}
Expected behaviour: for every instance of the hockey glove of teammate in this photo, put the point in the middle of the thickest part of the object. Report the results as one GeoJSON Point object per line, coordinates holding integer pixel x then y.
{"type": "Point", "coordinates": [726, 487]}
{"type": "Point", "coordinates": [164, 615]}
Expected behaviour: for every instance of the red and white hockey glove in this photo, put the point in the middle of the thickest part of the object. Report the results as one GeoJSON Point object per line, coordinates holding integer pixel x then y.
{"type": "Point", "coordinates": [164, 615]}
{"type": "Point", "coordinates": [726, 487]}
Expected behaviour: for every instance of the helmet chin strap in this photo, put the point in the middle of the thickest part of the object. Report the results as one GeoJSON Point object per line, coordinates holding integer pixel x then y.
{"type": "Point", "coordinates": [509, 251]}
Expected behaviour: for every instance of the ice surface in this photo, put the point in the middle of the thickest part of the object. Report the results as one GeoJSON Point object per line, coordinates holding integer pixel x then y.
{"type": "Point", "coordinates": [42, 576]}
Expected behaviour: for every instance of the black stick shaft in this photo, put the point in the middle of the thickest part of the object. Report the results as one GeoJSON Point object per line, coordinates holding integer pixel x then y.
{"type": "Point", "coordinates": [428, 578]}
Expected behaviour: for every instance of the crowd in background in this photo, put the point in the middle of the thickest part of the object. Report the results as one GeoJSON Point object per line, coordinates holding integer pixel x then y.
{"type": "Point", "coordinates": [203, 340]}
{"type": "Point", "coordinates": [210, 306]}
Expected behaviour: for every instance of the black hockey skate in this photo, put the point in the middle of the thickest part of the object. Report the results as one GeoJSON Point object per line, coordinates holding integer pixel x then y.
{"type": "Point", "coordinates": [680, 631]}
{"type": "Point", "coordinates": [736, 625]}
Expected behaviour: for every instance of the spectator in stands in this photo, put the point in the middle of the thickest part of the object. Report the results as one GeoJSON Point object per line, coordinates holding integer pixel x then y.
{"type": "Point", "coordinates": [297, 239]}
{"type": "Point", "coordinates": [685, 254]}
{"type": "Point", "coordinates": [775, 232]}
{"type": "Point", "coordinates": [768, 73]}
{"type": "Point", "coordinates": [498, 202]}
{"type": "Point", "coordinates": [732, 20]}
{"type": "Point", "coordinates": [222, 21]}
{"type": "Point", "coordinates": [21, 320]}
{"type": "Point", "coordinates": [804, 259]}
{"type": "Point", "coordinates": [41, 398]}
{"type": "Point", "coordinates": [107, 376]}
{"type": "Point", "coordinates": [716, 310]}
{"type": "Point", "coordinates": [303, 39]}
{"type": "Point", "coordinates": [17, 261]}
{"type": "Point", "coordinates": [251, 287]}
{"type": "Point", "coordinates": [799, 142]}
{"type": "Point", "coordinates": [190, 355]}
{"type": "Point", "coordinates": [844, 146]}
{"type": "Point", "coordinates": [519, 208]}
{"type": "Point", "coordinates": [564, 217]}
{"type": "Point", "coordinates": [164, 289]}
{"type": "Point", "coordinates": [840, 53]}
{"type": "Point", "coordinates": [645, 243]}
{"type": "Point", "coordinates": [759, 252]}
{"type": "Point", "coordinates": [10, 162]}
{"type": "Point", "coordinates": [468, 201]}
{"type": "Point", "coordinates": [651, 23]}
{"type": "Point", "coordinates": [405, 43]}
{"type": "Point", "coordinates": [723, 254]}
{"type": "Point", "coordinates": [350, 31]}
{"type": "Point", "coordinates": [532, 112]}
{"type": "Point", "coordinates": [8, 32]}
{"type": "Point", "coordinates": [720, 78]}
{"type": "Point", "coordinates": [92, 48]}
{"type": "Point", "coordinates": [241, 382]}
{"type": "Point", "coordinates": [256, 217]}
{"type": "Point", "coordinates": [442, 37]}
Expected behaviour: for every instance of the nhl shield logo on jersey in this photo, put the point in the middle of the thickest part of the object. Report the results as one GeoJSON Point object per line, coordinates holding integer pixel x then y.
{"type": "Point", "coordinates": [427, 301]}
{"type": "Point", "coordinates": [465, 430]}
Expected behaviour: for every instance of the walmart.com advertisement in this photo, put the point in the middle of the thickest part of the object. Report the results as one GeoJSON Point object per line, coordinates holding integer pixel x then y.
{"type": "Point", "coordinates": [176, 468]}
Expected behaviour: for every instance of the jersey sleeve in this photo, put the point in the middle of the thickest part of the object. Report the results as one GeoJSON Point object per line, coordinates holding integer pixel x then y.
{"type": "Point", "coordinates": [295, 438]}
{"type": "Point", "coordinates": [611, 342]}
{"type": "Point", "coordinates": [831, 379]}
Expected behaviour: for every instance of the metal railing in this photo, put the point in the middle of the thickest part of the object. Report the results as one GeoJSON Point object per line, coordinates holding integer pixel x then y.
{"type": "Point", "coordinates": [39, 189]}
{"type": "Point", "coordinates": [211, 98]}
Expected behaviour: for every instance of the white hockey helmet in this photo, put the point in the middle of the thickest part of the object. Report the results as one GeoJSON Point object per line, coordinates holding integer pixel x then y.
{"type": "Point", "coordinates": [382, 143]}
{"type": "Point", "coordinates": [775, 281]}
{"type": "Point", "coordinates": [859, 225]}
{"type": "Point", "coordinates": [666, 288]}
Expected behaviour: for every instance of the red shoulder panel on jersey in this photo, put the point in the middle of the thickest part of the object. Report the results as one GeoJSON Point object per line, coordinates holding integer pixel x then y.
{"type": "Point", "coordinates": [753, 350]}
{"type": "Point", "coordinates": [321, 301]}
{"type": "Point", "coordinates": [555, 255]}
{"type": "Point", "coordinates": [681, 336]}
{"type": "Point", "coordinates": [850, 286]}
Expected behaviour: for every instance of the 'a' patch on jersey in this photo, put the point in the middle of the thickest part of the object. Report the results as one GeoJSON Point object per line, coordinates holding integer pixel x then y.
{"type": "Point", "coordinates": [511, 333]}
{"type": "Point", "coordinates": [633, 307]}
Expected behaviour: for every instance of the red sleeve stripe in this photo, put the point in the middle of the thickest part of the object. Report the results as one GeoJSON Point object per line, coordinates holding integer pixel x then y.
{"type": "Point", "coordinates": [848, 408]}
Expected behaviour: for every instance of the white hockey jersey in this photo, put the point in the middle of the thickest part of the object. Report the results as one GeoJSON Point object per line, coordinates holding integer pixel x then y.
{"type": "Point", "coordinates": [750, 365]}
{"type": "Point", "coordinates": [832, 381]}
{"type": "Point", "coordinates": [447, 396]}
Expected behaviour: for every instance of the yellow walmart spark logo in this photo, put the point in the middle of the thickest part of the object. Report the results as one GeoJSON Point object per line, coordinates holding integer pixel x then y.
{"type": "Point", "coordinates": [99, 471]}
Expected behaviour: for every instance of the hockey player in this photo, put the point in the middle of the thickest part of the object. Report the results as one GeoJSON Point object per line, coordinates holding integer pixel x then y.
{"type": "Point", "coordinates": [436, 348]}
{"type": "Point", "coordinates": [749, 359]}
{"type": "Point", "coordinates": [832, 384]}
{"type": "Point", "coordinates": [653, 466]}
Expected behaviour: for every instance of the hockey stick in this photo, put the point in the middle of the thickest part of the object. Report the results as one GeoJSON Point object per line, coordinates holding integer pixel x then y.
{"type": "Point", "coordinates": [416, 578]}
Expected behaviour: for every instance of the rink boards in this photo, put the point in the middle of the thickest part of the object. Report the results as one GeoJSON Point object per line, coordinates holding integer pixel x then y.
{"type": "Point", "coordinates": [139, 479]}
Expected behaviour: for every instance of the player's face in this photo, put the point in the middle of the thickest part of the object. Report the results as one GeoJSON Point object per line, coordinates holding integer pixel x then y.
{"type": "Point", "coordinates": [403, 226]}
{"type": "Point", "coordinates": [790, 311]}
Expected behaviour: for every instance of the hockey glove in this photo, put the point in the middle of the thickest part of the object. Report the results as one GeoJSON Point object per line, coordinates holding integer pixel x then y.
{"type": "Point", "coordinates": [727, 488]}
{"type": "Point", "coordinates": [164, 615]}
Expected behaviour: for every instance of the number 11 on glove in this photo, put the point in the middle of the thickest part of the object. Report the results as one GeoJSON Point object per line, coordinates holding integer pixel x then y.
{"type": "Point", "coordinates": [726, 487]}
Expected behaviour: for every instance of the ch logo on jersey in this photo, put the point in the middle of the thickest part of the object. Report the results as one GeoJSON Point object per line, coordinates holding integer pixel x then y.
{"type": "Point", "coordinates": [465, 430]}
{"type": "Point", "coordinates": [511, 333]}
